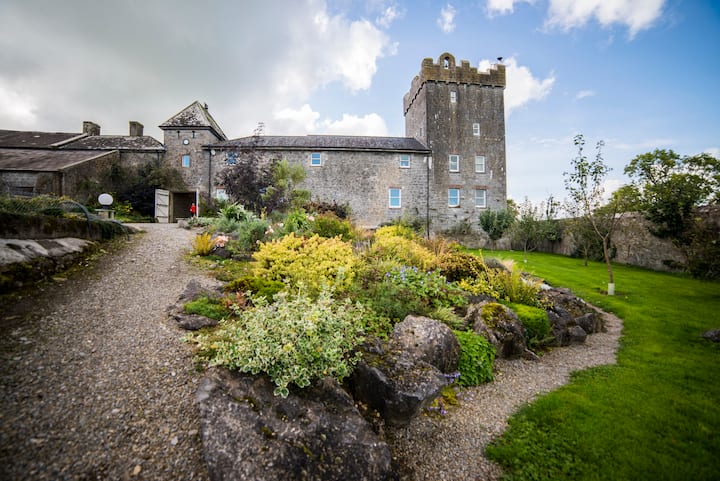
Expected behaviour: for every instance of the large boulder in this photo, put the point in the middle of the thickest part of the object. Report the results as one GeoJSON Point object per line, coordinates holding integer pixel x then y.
{"type": "Point", "coordinates": [315, 433]}
{"type": "Point", "coordinates": [425, 339]}
{"type": "Point", "coordinates": [499, 325]}
{"type": "Point", "coordinates": [401, 377]}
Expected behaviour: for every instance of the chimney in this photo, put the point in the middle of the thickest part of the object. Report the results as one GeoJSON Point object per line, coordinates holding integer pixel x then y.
{"type": "Point", "coordinates": [91, 128]}
{"type": "Point", "coordinates": [136, 129]}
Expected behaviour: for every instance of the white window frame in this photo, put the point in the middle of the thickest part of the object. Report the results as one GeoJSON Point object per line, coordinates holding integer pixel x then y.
{"type": "Point", "coordinates": [450, 197]}
{"type": "Point", "coordinates": [392, 198]}
{"type": "Point", "coordinates": [316, 159]}
{"type": "Point", "coordinates": [185, 161]}
{"type": "Point", "coordinates": [483, 204]}
{"type": "Point", "coordinates": [453, 97]}
{"type": "Point", "coordinates": [404, 161]}
{"type": "Point", "coordinates": [476, 129]}
{"type": "Point", "coordinates": [480, 164]}
{"type": "Point", "coordinates": [454, 160]}
{"type": "Point", "coordinates": [221, 194]}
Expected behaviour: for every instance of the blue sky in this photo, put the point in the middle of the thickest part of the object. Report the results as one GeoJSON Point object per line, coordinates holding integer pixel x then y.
{"type": "Point", "coordinates": [638, 74]}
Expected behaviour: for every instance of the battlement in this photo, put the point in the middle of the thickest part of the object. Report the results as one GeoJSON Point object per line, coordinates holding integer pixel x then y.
{"type": "Point", "coordinates": [446, 70]}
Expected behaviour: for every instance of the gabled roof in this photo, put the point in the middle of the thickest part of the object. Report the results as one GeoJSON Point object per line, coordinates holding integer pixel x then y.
{"type": "Point", "coordinates": [44, 160]}
{"type": "Point", "coordinates": [326, 142]}
{"type": "Point", "coordinates": [194, 116]}
{"type": "Point", "coordinates": [33, 140]}
{"type": "Point", "coordinates": [116, 142]}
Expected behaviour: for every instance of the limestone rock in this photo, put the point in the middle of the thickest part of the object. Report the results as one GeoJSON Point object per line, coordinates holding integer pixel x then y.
{"type": "Point", "coordinates": [499, 325]}
{"type": "Point", "coordinates": [577, 335]}
{"type": "Point", "coordinates": [315, 433]}
{"type": "Point", "coordinates": [712, 334]}
{"type": "Point", "coordinates": [428, 340]}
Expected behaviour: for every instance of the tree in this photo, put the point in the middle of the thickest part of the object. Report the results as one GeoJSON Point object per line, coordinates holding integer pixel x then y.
{"type": "Point", "coordinates": [527, 228]}
{"type": "Point", "coordinates": [584, 186]}
{"type": "Point", "coordinates": [249, 177]}
{"type": "Point", "coordinates": [496, 222]}
{"type": "Point", "coordinates": [282, 194]}
{"type": "Point", "coordinates": [670, 190]}
{"type": "Point", "coordinates": [671, 187]}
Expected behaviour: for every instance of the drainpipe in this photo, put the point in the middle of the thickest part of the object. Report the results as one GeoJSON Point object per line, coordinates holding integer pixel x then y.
{"type": "Point", "coordinates": [428, 162]}
{"type": "Point", "coordinates": [210, 156]}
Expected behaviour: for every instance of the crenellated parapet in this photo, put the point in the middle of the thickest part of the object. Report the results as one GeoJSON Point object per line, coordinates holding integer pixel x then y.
{"type": "Point", "coordinates": [446, 70]}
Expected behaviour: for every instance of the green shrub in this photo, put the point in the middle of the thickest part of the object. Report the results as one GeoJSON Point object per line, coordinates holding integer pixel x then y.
{"type": "Point", "coordinates": [399, 243]}
{"type": "Point", "coordinates": [477, 356]}
{"type": "Point", "coordinates": [257, 286]}
{"type": "Point", "coordinates": [203, 244]}
{"type": "Point", "coordinates": [408, 290]}
{"type": "Point", "coordinates": [312, 262]}
{"type": "Point", "coordinates": [251, 233]}
{"type": "Point", "coordinates": [511, 286]}
{"type": "Point", "coordinates": [536, 323]}
{"type": "Point", "coordinates": [295, 340]}
{"type": "Point", "coordinates": [457, 265]}
{"type": "Point", "coordinates": [234, 212]}
{"type": "Point", "coordinates": [330, 225]}
{"type": "Point", "coordinates": [225, 224]}
{"type": "Point", "coordinates": [207, 307]}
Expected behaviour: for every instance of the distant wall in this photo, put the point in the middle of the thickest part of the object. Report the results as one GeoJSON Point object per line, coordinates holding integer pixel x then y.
{"type": "Point", "coordinates": [14, 226]}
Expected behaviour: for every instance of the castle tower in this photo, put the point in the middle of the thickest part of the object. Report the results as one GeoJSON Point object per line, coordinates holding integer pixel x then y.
{"type": "Point", "coordinates": [459, 113]}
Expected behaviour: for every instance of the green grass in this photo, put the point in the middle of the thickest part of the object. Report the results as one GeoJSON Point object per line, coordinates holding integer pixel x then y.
{"type": "Point", "coordinates": [653, 416]}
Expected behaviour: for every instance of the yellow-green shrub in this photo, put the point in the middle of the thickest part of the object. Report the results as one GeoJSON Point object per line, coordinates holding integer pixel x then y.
{"type": "Point", "coordinates": [397, 243]}
{"type": "Point", "coordinates": [311, 262]}
{"type": "Point", "coordinates": [203, 244]}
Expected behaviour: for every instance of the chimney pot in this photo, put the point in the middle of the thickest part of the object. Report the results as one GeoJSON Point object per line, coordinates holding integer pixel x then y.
{"type": "Point", "coordinates": [136, 129]}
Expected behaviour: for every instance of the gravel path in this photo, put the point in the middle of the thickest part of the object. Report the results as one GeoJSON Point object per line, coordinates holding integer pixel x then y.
{"type": "Point", "coordinates": [95, 381]}
{"type": "Point", "coordinates": [450, 447]}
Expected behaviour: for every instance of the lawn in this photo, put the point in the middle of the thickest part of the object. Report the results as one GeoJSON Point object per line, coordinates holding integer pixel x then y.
{"type": "Point", "coordinates": [653, 416]}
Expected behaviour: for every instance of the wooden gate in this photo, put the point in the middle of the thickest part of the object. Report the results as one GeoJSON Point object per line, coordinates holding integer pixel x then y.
{"type": "Point", "coordinates": [162, 205]}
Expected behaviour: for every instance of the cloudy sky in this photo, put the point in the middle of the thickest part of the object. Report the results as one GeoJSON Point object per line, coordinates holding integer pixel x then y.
{"type": "Point", "coordinates": [638, 74]}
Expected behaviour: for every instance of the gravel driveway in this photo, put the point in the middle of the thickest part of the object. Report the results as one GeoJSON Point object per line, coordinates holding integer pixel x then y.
{"type": "Point", "coordinates": [95, 382]}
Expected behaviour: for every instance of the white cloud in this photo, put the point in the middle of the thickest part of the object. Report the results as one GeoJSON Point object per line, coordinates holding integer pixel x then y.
{"type": "Point", "coordinates": [370, 124]}
{"type": "Point", "coordinates": [522, 87]}
{"type": "Point", "coordinates": [503, 7]}
{"type": "Point", "coordinates": [446, 20]}
{"type": "Point", "coordinates": [584, 94]}
{"type": "Point", "coordinates": [637, 15]}
{"type": "Point", "coordinates": [306, 121]}
{"type": "Point", "coordinates": [388, 16]}
{"type": "Point", "coordinates": [16, 108]}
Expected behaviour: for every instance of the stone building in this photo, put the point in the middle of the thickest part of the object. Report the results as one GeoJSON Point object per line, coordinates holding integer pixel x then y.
{"type": "Point", "coordinates": [448, 168]}
{"type": "Point", "coordinates": [60, 163]}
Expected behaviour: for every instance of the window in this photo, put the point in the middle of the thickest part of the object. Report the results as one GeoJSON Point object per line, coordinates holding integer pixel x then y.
{"type": "Point", "coordinates": [186, 160]}
{"type": "Point", "coordinates": [315, 159]}
{"type": "Point", "coordinates": [476, 129]}
{"type": "Point", "coordinates": [480, 198]}
{"type": "Point", "coordinates": [221, 194]}
{"type": "Point", "coordinates": [454, 163]}
{"type": "Point", "coordinates": [395, 198]}
{"type": "Point", "coordinates": [480, 164]}
{"type": "Point", "coordinates": [231, 158]}
{"type": "Point", "coordinates": [453, 197]}
{"type": "Point", "coordinates": [453, 97]}
{"type": "Point", "coordinates": [405, 161]}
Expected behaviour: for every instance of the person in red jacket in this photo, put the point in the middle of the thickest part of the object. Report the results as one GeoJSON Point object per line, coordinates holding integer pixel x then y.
{"type": "Point", "coordinates": [193, 210]}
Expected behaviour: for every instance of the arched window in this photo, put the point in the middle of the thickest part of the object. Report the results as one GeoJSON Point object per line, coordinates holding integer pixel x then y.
{"type": "Point", "coordinates": [446, 62]}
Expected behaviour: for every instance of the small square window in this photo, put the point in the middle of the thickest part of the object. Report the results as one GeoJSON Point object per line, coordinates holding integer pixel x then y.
{"type": "Point", "coordinates": [221, 194]}
{"type": "Point", "coordinates": [476, 129]}
{"type": "Point", "coordinates": [395, 198]}
{"type": "Point", "coordinates": [454, 163]}
{"type": "Point", "coordinates": [480, 164]}
{"type": "Point", "coordinates": [231, 158]}
{"type": "Point", "coordinates": [405, 161]}
{"type": "Point", "coordinates": [453, 197]}
{"type": "Point", "coordinates": [481, 198]}
{"type": "Point", "coordinates": [453, 97]}
{"type": "Point", "coordinates": [315, 159]}
{"type": "Point", "coordinates": [186, 160]}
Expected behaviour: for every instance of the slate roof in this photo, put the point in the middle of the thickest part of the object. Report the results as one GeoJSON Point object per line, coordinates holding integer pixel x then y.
{"type": "Point", "coordinates": [39, 140]}
{"type": "Point", "coordinates": [326, 142]}
{"type": "Point", "coordinates": [116, 142]}
{"type": "Point", "coordinates": [195, 116]}
{"type": "Point", "coordinates": [43, 160]}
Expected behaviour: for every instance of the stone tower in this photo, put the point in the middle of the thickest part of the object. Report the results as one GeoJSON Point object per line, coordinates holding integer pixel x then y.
{"type": "Point", "coordinates": [459, 113]}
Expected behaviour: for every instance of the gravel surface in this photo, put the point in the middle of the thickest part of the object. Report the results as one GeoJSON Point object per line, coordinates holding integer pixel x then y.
{"type": "Point", "coordinates": [95, 383]}
{"type": "Point", "coordinates": [451, 447]}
